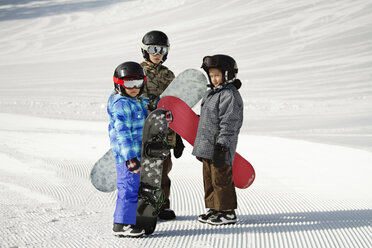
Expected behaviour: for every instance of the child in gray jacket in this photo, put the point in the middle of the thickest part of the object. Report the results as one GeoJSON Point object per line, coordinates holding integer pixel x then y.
{"type": "Point", "coordinates": [221, 118]}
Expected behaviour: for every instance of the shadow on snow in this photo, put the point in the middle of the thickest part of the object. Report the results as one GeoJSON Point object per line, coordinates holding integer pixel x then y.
{"type": "Point", "coordinates": [282, 222]}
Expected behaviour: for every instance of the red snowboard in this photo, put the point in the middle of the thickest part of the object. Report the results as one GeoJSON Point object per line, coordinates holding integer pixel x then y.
{"type": "Point", "coordinates": [185, 123]}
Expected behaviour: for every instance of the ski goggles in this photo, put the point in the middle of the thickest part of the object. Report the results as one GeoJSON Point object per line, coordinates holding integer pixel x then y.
{"type": "Point", "coordinates": [210, 62]}
{"type": "Point", "coordinates": [130, 83]}
{"type": "Point", "coordinates": [155, 49]}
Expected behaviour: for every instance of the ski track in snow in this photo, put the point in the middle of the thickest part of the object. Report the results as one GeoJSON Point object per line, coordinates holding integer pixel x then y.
{"type": "Point", "coordinates": [276, 214]}
{"type": "Point", "coordinates": [306, 72]}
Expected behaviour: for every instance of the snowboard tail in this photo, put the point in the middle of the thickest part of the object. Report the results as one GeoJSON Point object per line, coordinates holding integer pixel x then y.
{"type": "Point", "coordinates": [150, 201]}
{"type": "Point", "coordinates": [102, 176]}
{"type": "Point", "coordinates": [145, 218]}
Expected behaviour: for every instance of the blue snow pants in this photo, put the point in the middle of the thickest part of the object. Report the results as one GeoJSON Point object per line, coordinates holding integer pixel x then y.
{"type": "Point", "coordinates": [126, 202]}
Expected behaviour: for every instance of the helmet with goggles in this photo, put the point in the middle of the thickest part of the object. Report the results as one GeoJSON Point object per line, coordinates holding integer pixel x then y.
{"type": "Point", "coordinates": [155, 42]}
{"type": "Point", "coordinates": [225, 63]}
{"type": "Point", "coordinates": [129, 75]}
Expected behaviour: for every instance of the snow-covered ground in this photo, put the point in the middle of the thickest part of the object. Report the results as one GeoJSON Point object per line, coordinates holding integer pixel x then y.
{"type": "Point", "coordinates": [306, 68]}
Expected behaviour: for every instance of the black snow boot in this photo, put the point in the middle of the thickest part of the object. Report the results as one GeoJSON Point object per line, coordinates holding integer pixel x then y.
{"type": "Point", "coordinates": [167, 214]}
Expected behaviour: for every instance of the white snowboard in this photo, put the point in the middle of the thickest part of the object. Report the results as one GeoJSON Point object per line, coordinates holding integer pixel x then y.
{"type": "Point", "coordinates": [190, 86]}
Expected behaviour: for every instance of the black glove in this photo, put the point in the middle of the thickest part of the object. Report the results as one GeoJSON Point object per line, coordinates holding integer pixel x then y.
{"type": "Point", "coordinates": [178, 149]}
{"type": "Point", "coordinates": [133, 165]}
{"type": "Point", "coordinates": [219, 155]}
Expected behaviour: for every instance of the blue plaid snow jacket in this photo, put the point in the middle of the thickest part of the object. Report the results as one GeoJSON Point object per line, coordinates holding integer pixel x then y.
{"type": "Point", "coordinates": [127, 117]}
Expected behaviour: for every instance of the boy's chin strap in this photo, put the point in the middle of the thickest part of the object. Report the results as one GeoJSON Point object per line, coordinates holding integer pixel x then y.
{"type": "Point", "coordinates": [236, 82]}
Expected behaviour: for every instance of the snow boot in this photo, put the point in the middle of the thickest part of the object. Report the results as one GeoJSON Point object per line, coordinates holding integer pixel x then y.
{"type": "Point", "coordinates": [223, 217]}
{"type": "Point", "coordinates": [167, 214]}
{"type": "Point", "coordinates": [203, 218]}
{"type": "Point", "coordinates": [130, 231]}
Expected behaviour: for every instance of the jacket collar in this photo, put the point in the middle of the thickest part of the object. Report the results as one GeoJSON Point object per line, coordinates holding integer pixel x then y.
{"type": "Point", "coordinates": [116, 96]}
{"type": "Point", "coordinates": [219, 88]}
{"type": "Point", "coordinates": [152, 65]}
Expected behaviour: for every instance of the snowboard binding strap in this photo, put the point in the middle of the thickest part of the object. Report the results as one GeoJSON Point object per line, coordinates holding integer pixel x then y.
{"type": "Point", "coordinates": [153, 196]}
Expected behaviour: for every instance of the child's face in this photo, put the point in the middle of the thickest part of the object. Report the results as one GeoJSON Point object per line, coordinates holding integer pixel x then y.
{"type": "Point", "coordinates": [156, 59]}
{"type": "Point", "coordinates": [216, 76]}
{"type": "Point", "coordinates": [132, 92]}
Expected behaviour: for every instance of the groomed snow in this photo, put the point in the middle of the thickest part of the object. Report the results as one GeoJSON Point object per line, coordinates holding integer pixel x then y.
{"type": "Point", "coordinates": [306, 72]}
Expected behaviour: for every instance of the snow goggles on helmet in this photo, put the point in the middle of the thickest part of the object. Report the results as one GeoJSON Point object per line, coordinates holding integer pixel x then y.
{"type": "Point", "coordinates": [130, 83]}
{"type": "Point", "coordinates": [210, 62]}
{"type": "Point", "coordinates": [155, 49]}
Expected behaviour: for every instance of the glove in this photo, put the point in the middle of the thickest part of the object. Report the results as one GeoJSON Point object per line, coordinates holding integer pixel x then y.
{"type": "Point", "coordinates": [219, 155]}
{"type": "Point", "coordinates": [153, 102]}
{"type": "Point", "coordinates": [178, 149]}
{"type": "Point", "coordinates": [171, 138]}
{"type": "Point", "coordinates": [199, 158]}
{"type": "Point", "coordinates": [133, 165]}
{"type": "Point", "coordinates": [156, 101]}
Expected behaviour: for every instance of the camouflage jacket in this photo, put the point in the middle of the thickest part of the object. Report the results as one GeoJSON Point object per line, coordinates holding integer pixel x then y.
{"type": "Point", "coordinates": [158, 79]}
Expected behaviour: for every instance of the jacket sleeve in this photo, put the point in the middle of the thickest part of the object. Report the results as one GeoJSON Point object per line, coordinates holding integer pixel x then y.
{"type": "Point", "coordinates": [230, 117]}
{"type": "Point", "coordinates": [122, 124]}
{"type": "Point", "coordinates": [171, 77]}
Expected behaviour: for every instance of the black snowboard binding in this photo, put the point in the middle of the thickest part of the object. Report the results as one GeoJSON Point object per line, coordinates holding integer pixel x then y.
{"type": "Point", "coordinates": [157, 148]}
{"type": "Point", "coordinates": [153, 196]}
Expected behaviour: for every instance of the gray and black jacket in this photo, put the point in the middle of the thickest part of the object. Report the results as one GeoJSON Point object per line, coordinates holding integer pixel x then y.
{"type": "Point", "coordinates": [221, 118]}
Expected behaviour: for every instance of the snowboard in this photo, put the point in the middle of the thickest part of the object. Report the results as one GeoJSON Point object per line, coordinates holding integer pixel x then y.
{"type": "Point", "coordinates": [153, 151]}
{"type": "Point", "coordinates": [190, 86]}
{"type": "Point", "coordinates": [185, 123]}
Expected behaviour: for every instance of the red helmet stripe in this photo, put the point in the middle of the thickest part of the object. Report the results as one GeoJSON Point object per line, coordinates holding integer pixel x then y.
{"type": "Point", "coordinates": [118, 81]}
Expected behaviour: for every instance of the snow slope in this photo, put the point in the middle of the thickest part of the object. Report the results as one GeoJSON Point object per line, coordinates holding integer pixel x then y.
{"type": "Point", "coordinates": [306, 72]}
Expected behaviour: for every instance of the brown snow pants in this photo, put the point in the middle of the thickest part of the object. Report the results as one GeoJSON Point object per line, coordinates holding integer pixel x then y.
{"type": "Point", "coordinates": [219, 189]}
{"type": "Point", "coordinates": [165, 181]}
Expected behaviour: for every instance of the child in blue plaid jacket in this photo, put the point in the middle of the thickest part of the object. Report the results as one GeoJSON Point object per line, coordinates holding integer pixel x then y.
{"type": "Point", "coordinates": [127, 113]}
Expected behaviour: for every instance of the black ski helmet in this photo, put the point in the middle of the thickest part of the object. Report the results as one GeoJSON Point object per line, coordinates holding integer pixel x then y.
{"type": "Point", "coordinates": [225, 63]}
{"type": "Point", "coordinates": [154, 37]}
{"type": "Point", "coordinates": [128, 70]}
